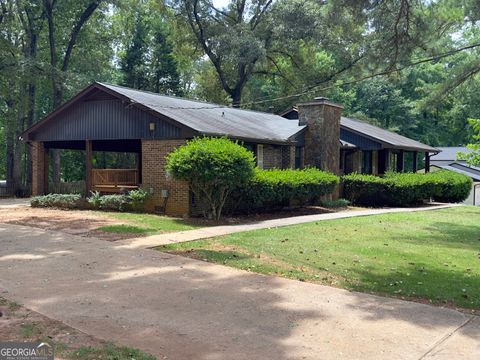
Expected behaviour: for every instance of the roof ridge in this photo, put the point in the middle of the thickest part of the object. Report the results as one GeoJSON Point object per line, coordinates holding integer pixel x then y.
{"type": "Point", "coordinates": [162, 95]}
{"type": "Point", "coordinates": [214, 105]}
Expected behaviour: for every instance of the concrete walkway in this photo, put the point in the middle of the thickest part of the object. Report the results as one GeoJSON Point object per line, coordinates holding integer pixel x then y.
{"type": "Point", "coordinates": [179, 308]}
{"type": "Point", "coordinates": [208, 232]}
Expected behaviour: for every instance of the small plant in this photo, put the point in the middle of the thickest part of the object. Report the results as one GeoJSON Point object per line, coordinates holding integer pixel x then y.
{"type": "Point", "coordinates": [29, 330]}
{"type": "Point", "coordinates": [95, 199]}
{"type": "Point", "coordinates": [333, 204]}
{"type": "Point", "coordinates": [115, 202]}
{"type": "Point", "coordinates": [138, 198]}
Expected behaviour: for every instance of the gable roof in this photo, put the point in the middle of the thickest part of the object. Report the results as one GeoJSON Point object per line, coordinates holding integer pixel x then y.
{"type": "Point", "coordinates": [204, 118]}
{"type": "Point", "coordinates": [373, 132]}
{"type": "Point", "coordinates": [449, 153]}
{"type": "Point", "coordinates": [471, 171]}
{"type": "Point", "coordinates": [384, 136]}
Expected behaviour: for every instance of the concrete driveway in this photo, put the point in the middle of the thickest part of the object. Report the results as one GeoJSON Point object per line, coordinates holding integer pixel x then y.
{"type": "Point", "coordinates": [178, 308]}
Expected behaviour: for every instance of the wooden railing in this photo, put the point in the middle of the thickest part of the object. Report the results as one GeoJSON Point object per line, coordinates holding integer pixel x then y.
{"type": "Point", "coordinates": [104, 179]}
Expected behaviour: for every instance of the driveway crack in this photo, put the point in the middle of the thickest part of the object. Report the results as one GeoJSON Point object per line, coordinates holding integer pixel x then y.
{"type": "Point", "coordinates": [446, 337]}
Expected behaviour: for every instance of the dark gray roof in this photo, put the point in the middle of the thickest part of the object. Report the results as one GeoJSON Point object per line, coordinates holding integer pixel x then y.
{"type": "Point", "coordinates": [385, 136]}
{"type": "Point", "coordinates": [213, 119]}
{"type": "Point", "coordinates": [471, 171]}
{"type": "Point", "coordinates": [449, 153]}
{"type": "Point", "coordinates": [373, 132]}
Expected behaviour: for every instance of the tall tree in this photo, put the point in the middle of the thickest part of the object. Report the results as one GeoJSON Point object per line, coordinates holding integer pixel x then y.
{"type": "Point", "coordinates": [60, 56]}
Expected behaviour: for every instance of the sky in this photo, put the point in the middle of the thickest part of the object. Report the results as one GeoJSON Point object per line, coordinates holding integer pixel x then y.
{"type": "Point", "coordinates": [220, 3]}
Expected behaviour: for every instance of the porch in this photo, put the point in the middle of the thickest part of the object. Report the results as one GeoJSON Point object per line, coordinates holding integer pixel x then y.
{"type": "Point", "coordinates": [114, 180]}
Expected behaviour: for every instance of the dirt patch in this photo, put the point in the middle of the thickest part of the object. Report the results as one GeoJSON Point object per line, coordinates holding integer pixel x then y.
{"type": "Point", "coordinates": [74, 222]}
{"type": "Point", "coordinates": [18, 323]}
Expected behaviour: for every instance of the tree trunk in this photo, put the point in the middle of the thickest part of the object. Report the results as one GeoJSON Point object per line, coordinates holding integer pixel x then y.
{"type": "Point", "coordinates": [236, 98]}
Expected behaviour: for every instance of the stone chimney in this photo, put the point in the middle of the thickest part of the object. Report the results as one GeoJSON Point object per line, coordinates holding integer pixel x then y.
{"type": "Point", "coordinates": [322, 137]}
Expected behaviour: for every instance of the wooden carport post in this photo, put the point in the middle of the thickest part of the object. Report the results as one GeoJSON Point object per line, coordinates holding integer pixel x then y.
{"type": "Point", "coordinates": [88, 166]}
{"type": "Point", "coordinates": [400, 161]}
{"type": "Point", "coordinates": [415, 161]}
{"type": "Point", "coordinates": [427, 162]}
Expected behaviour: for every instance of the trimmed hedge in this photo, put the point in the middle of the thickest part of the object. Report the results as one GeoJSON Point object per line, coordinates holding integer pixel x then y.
{"type": "Point", "coordinates": [64, 201]}
{"type": "Point", "coordinates": [273, 188]}
{"type": "Point", "coordinates": [404, 189]}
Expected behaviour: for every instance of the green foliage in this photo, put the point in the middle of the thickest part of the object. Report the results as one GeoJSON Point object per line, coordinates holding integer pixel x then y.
{"type": "Point", "coordinates": [138, 198]}
{"type": "Point", "coordinates": [404, 189]}
{"type": "Point", "coordinates": [272, 188]}
{"type": "Point", "coordinates": [109, 352]}
{"type": "Point", "coordinates": [450, 186]}
{"type": "Point", "coordinates": [116, 202]}
{"type": "Point", "coordinates": [95, 199]}
{"type": "Point", "coordinates": [63, 201]}
{"type": "Point", "coordinates": [146, 56]}
{"type": "Point", "coordinates": [334, 204]}
{"type": "Point", "coordinates": [473, 157]}
{"type": "Point", "coordinates": [134, 200]}
{"type": "Point", "coordinates": [213, 167]}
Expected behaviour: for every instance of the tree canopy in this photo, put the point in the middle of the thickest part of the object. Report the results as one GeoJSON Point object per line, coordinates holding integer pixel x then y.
{"type": "Point", "coordinates": [408, 65]}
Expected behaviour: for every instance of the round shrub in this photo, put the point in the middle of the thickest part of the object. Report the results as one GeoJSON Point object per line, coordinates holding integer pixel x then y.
{"type": "Point", "coordinates": [213, 167]}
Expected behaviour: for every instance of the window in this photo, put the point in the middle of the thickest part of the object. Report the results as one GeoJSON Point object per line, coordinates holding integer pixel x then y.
{"type": "Point", "coordinates": [298, 157]}
{"type": "Point", "coordinates": [366, 162]}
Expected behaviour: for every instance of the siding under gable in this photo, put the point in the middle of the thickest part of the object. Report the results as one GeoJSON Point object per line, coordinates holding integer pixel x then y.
{"type": "Point", "coordinates": [104, 119]}
{"type": "Point", "coordinates": [360, 141]}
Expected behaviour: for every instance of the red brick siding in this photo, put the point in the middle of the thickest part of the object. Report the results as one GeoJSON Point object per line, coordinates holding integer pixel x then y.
{"type": "Point", "coordinates": [38, 168]}
{"type": "Point", "coordinates": [156, 179]}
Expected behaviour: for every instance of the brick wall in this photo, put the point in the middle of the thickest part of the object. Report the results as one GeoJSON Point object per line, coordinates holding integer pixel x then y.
{"type": "Point", "coordinates": [39, 166]}
{"type": "Point", "coordinates": [156, 179]}
{"type": "Point", "coordinates": [272, 157]}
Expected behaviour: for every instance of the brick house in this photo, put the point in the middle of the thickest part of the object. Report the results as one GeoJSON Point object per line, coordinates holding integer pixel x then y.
{"type": "Point", "coordinates": [111, 118]}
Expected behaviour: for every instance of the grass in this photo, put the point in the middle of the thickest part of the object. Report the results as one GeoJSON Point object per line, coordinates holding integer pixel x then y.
{"type": "Point", "coordinates": [29, 330]}
{"type": "Point", "coordinates": [109, 352]}
{"type": "Point", "coordinates": [148, 224]}
{"type": "Point", "coordinates": [432, 255]}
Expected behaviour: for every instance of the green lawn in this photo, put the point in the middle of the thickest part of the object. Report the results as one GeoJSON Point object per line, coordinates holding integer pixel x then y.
{"type": "Point", "coordinates": [148, 224]}
{"type": "Point", "coordinates": [432, 255]}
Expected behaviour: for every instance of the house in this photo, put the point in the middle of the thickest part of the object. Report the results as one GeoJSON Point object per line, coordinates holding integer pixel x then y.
{"type": "Point", "coordinates": [447, 160]}
{"type": "Point", "coordinates": [112, 118]}
{"type": "Point", "coordinates": [369, 149]}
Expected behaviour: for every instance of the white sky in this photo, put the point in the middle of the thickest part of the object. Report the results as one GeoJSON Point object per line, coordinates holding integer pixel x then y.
{"type": "Point", "coordinates": [220, 3]}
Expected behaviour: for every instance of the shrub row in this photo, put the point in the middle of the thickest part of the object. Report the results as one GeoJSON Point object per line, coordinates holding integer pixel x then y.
{"type": "Point", "coordinates": [64, 201]}
{"type": "Point", "coordinates": [134, 200]}
{"type": "Point", "coordinates": [273, 188]}
{"type": "Point", "coordinates": [403, 189]}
